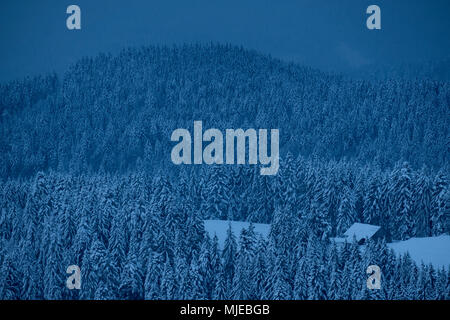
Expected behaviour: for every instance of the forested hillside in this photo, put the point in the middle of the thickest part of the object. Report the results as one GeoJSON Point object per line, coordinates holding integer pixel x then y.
{"type": "Point", "coordinates": [116, 113]}
{"type": "Point", "coordinates": [87, 179]}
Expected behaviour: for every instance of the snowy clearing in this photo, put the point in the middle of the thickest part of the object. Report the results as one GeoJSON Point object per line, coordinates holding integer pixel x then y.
{"type": "Point", "coordinates": [434, 250]}
{"type": "Point", "coordinates": [220, 227]}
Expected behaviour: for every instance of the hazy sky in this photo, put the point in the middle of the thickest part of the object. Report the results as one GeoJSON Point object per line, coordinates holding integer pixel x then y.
{"type": "Point", "coordinates": [329, 34]}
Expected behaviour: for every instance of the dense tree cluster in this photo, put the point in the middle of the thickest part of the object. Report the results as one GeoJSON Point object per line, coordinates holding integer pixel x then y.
{"type": "Point", "coordinates": [136, 236]}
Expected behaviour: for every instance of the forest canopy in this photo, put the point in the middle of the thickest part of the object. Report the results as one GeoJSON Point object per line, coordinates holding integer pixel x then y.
{"type": "Point", "coordinates": [87, 180]}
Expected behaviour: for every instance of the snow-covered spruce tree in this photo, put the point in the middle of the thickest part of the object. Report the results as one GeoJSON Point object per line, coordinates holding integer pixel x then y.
{"type": "Point", "coordinates": [259, 271]}
{"type": "Point", "coordinates": [10, 280]}
{"type": "Point", "coordinates": [318, 210]}
{"type": "Point", "coordinates": [423, 203]}
{"type": "Point", "coordinates": [152, 283]}
{"type": "Point", "coordinates": [215, 195]}
{"type": "Point", "coordinates": [54, 281]}
{"type": "Point", "coordinates": [229, 253]}
{"type": "Point", "coordinates": [131, 277]}
{"type": "Point", "coordinates": [334, 285]}
{"type": "Point", "coordinates": [168, 287]}
{"type": "Point", "coordinates": [372, 201]}
{"type": "Point", "coordinates": [38, 208]}
{"type": "Point", "coordinates": [280, 288]}
{"type": "Point", "coordinates": [440, 219]}
{"type": "Point", "coordinates": [206, 268]}
{"type": "Point", "coordinates": [221, 289]}
{"type": "Point", "coordinates": [346, 211]}
{"type": "Point", "coordinates": [404, 201]}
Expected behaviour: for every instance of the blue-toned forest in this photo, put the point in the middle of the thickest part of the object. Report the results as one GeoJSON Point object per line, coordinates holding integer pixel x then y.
{"type": "Point", "coordinates": [86, 179]}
